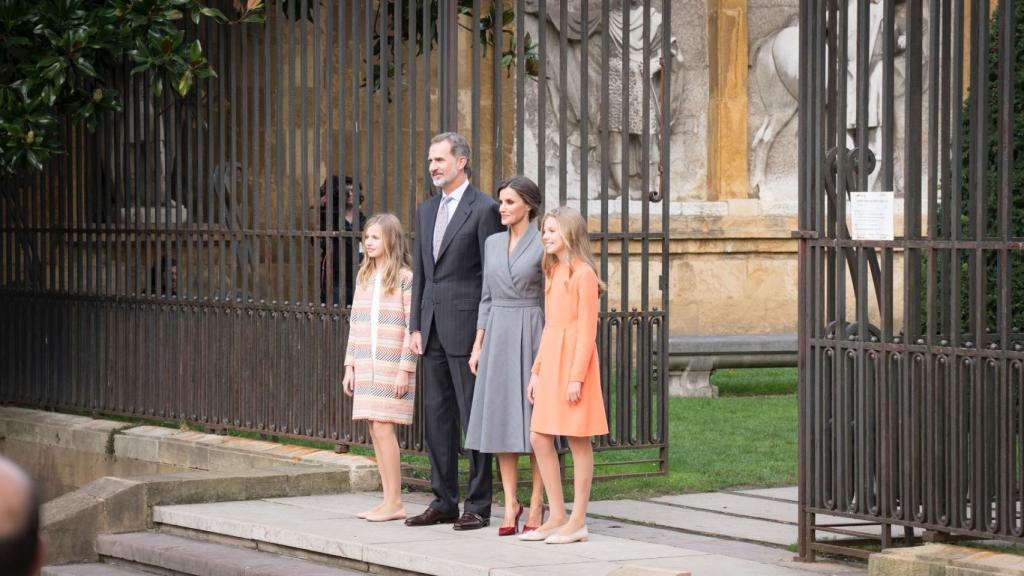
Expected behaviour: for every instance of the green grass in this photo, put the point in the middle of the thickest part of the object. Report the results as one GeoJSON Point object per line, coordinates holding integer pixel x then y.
{"type": "Point", "coordinates": [717, 443]}
{"type": "Point", "coordinates": [746, 437]}
{"type": "Point", "coordinates": [714, 443]}
{"type": "Point", "coordinates": [755, 381]}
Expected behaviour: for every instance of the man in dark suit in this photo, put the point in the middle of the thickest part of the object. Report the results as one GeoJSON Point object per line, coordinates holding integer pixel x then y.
{"type": "Point", "coordinates": [447, 269]}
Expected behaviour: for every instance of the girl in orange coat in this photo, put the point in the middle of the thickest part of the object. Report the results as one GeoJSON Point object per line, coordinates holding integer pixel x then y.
{"type": "Point", "coordinates": [380, 367]}
{"type": "Point", "coordinates": [566, 384]}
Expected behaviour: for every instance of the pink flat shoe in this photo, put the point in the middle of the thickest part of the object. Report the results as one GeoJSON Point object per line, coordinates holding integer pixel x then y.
{"type": "Point", "coordinates": [537, 534]}
{"type": "Point", "coordinates": [580, 535]}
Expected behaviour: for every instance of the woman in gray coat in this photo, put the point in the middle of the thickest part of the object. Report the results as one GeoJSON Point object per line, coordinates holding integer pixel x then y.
{"type": "Point", "coordinates": [508, 333]}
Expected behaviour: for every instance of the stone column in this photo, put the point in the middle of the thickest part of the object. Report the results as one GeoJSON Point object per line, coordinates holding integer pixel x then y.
{"type": "Point", "coordinates": [727, 115]}
{"type": "Point", "coordinates": [992, 6]}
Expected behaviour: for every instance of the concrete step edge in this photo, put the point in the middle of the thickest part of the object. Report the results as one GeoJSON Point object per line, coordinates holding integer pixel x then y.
{"type": "Point", "coordinates": [722, 512]}
{"type": "Point", "coordinates": [93, 569]}
{"type": "Point", "coordinates": [861, 531]}
{"type": "Point", "coordinates": [176, 554]}
{"type": "Point", "coordinates": [695, 531]}
{"type": "Point", "coordinates": [346, 557]}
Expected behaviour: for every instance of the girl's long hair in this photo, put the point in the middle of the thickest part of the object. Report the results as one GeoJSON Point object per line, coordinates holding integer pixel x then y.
{"type": "Point", "coordinates": [394, 258]}
{"type": "Point", "coordinates": [574, 234]}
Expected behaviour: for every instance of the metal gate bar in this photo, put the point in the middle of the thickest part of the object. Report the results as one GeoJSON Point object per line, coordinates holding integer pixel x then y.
{"type": "Point", "coordinates": [910, 414]}
{"type": "Point", "coordinates": [178, 264]}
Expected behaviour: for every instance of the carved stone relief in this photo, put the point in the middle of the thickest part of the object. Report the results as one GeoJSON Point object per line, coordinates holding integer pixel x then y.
{"type": "Point", "coordinates": [774, 77]}
{"type": "Point", "coordinates": [628, 50]}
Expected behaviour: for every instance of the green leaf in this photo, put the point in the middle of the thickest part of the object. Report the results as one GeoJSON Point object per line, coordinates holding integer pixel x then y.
{"type": "Point", "coordinates": [52, 70]}
{"type": "Point", "coordinates": [87, 111]}
{"type": "Point", "coordinates": [48, 60]}
{"type": "Point", "coordinates": [85, 67]}
{"type": "Point", "coordinates": [158, 86]}
{"type": "Point", "coordinates": [195, 50]}
{"type": "Point", "coordinates": [213, 13]}
{"type": "Point", "coordinates": [49, 94]}
{"type": "Point", "coordinates": [33, 159]}
{"type": "Point", "coordinates": [204, 72]}
{"type": "Point", "coordinates": [185, 83]}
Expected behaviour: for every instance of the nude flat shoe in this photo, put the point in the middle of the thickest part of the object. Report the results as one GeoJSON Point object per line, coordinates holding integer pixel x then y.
{"type": "Point", "coordinates": [580, 535]}
{"type": "Point", "coordinates": [536, 535]}
{"type": "Point", "coordinates": [378, 517]}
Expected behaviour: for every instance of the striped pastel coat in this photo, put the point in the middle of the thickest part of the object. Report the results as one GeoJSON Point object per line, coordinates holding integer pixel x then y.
{"type": "Point", "coordinates": [374, 397]}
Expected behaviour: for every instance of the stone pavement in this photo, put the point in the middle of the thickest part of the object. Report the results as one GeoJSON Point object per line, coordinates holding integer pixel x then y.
{"type": "Point", "coordinates": [761, 516]}
{"type": "Point", "coordinates": [322, 527]}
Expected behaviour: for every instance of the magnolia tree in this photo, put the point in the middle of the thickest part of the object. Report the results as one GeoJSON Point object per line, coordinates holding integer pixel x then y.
{"type": "Point", "coordinates": [55, 55]}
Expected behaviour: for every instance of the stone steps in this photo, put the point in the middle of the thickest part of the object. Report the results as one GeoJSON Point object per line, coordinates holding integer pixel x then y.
{"type": "Point", "coordinates": [320, 535]}
{"type": "Point", "coordinates": [147, 553]}
{"type": "Point", "coordinates": [325, 529]}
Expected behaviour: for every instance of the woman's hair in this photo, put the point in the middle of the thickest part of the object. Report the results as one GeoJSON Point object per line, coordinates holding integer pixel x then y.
{"type": "Point", "coordinates": [527, 190]}
{"type": "Point", "coordinates": [395, 256]}
{"type": "Point", "coordinates": [573, 229]}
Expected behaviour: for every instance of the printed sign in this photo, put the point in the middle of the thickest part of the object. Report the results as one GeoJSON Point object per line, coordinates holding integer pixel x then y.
{"type": "Point", "coordinates": [871, 215]}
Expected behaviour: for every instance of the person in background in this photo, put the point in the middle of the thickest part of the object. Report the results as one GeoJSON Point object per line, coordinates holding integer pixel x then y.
{"type": "Point", "coordinates": [163, 277]}
{"type": "Point", "coordinates": [332, 259]}
{"type": "Point", "coordinates": [21, 545]}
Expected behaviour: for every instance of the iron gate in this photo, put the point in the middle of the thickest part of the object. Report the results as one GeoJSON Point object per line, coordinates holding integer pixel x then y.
{"type": "Point", "coordinates": [911, 350]}
{"type": "Point", "coordinates": [189, 259]}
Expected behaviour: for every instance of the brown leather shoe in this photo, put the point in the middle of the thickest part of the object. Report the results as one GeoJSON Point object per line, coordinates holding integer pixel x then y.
{"type": "Point", "coordinates": [429, 517]}
{"type": "Point", "coordinates": [471, 521]}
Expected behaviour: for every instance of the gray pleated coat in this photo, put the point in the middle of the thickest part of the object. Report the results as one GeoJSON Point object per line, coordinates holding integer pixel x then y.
{"type": "Point", "coordinates": [512, 319]}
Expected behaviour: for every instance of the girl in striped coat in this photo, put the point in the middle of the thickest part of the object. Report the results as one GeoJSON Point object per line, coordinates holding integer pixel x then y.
{"type": "Point", "coordinates": [380, 369]}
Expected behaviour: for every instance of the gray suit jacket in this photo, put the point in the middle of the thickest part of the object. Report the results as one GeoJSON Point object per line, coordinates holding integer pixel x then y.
{"type": "Point", "coordinates": [446, 293]}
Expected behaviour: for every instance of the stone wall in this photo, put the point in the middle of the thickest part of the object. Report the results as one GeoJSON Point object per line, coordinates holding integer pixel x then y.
{"type": "Point", "coordinates": [733, 188]}
{"type": "Point", "coordinates": [732, 260]}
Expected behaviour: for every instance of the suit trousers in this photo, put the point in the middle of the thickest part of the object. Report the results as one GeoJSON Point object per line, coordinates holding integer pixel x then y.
{"type": "Point", "coordinates": [447, 398]}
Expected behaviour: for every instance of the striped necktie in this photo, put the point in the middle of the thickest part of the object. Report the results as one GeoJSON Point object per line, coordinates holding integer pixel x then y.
{"type": "Point", "coordinates": [440, 224]}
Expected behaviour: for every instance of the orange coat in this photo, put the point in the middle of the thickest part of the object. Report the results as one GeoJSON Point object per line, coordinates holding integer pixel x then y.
{"type": "Point", "coordinates": [568, 353]}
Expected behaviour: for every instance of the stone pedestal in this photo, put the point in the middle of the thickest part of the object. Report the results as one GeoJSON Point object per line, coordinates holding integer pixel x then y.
{"type": "Point", "coordinates": [694, 381]}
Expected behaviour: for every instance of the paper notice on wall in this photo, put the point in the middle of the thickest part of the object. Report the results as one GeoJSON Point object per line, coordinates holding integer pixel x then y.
{"type": "Point", "coordinates": [871, 215]}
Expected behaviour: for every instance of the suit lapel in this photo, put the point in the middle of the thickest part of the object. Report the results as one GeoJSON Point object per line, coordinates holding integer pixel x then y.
{"type": "Point", "coordinates": [458, 219]}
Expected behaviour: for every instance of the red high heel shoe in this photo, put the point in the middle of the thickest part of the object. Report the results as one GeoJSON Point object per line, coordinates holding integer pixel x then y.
{"type": "Point", "coordinates": [511, 530]}
{"type": "Point", "coordinates": [543, 512]}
